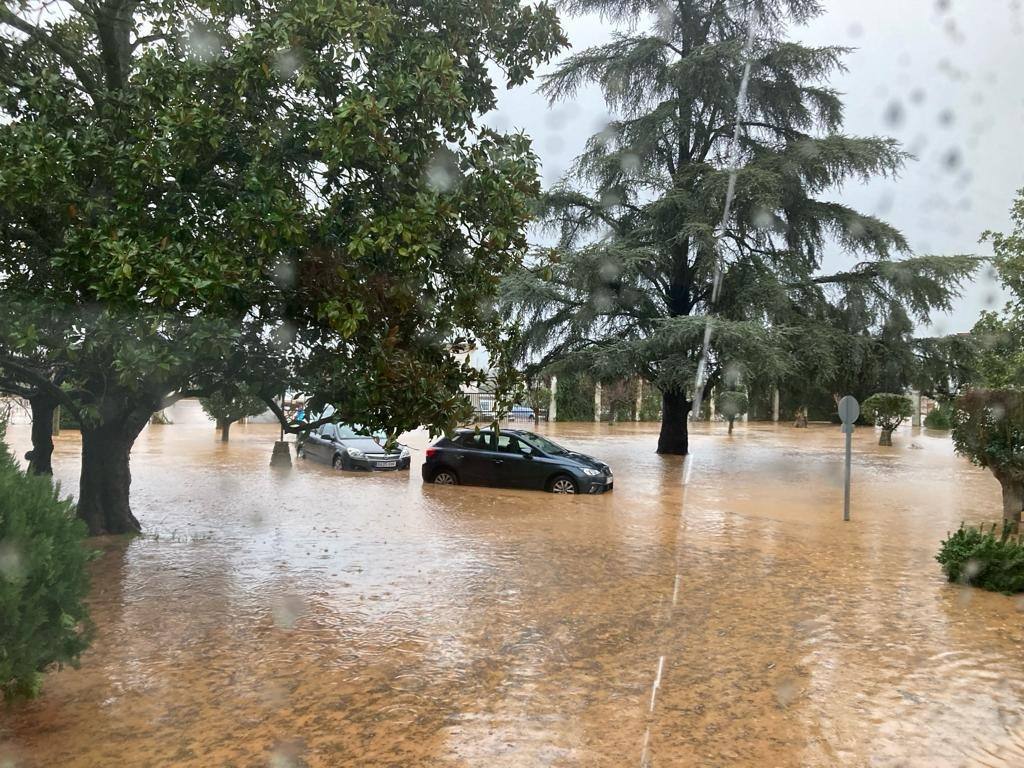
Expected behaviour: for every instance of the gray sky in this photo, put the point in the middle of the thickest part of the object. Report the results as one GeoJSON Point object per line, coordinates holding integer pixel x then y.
{"type": "Point", "coordinates": [944, 77]}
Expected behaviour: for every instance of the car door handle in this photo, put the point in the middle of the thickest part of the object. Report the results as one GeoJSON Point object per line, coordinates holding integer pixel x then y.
{"type": "Point", "coordinates": [499, 461]}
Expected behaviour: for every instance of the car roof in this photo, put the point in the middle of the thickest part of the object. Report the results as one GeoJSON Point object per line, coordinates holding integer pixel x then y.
{"type": "Point", "coordinates": [469, 431]}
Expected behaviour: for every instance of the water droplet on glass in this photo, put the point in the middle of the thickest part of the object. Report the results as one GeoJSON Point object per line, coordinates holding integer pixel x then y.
{"type": "Point", "coordinates": [894, 114]}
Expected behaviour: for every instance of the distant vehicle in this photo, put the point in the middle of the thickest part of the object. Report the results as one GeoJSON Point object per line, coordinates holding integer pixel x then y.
{"type": "Point", "coordinates": [518, 412]}
{"type": "Point", "coordinates": [343, 447]}
{"type": "Point", "coordinates": [514, 459]}
{"type": "Point", "coordinates": [521, 413]}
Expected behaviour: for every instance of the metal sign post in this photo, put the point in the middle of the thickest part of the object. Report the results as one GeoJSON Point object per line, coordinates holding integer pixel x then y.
{"type": "Point", "coordinates": [849, 410]}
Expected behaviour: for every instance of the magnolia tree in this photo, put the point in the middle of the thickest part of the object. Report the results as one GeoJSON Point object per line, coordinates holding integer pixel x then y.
{"type": "Point", "coordinates": [988, 428]}
{"type": "Point", "coordinates": [276, 192]}
{"type": "Point", "coordinates": [887, 410]}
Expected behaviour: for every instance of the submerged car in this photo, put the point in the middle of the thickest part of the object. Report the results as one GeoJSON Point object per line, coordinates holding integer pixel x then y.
{"type": "Point", "coordinates": [343, 447]}
{"type": "Point", "coordinates": [514, 458]}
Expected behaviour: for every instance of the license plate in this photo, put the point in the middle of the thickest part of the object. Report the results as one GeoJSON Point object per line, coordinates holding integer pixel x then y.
{"type": "Point", "coordinates": [386, 464]}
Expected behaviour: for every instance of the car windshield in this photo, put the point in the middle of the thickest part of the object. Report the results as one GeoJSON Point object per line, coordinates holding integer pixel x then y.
{"type": "Point", "coordinates": [543, 444]}
{"type": "Point", "coordinates": [345, 432]}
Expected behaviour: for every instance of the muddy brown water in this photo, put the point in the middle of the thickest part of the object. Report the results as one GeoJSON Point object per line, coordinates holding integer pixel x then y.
{"type": "Point", "coordinates": [714, 613]}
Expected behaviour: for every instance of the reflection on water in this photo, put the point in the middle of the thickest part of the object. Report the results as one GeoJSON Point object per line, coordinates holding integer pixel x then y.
{"type": "Point", "coordinates": [311, 617]}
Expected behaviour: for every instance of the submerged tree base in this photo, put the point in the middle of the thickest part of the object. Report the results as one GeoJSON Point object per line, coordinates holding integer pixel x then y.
{"type": "Point", "coordinates": [674, 438]}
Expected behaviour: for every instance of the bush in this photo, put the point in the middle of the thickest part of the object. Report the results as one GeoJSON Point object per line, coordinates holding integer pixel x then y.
{"type": "Point", "coordinates": [939, 418]}
{"type": "Point", "coordinates": [43, 580]}
{"type": "Point", "coordinates": [981, 559]}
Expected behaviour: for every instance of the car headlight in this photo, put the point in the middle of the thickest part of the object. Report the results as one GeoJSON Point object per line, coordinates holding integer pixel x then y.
{"type": "Point", "coordinates": [405, 453]}
{"type": "Point", "coordinates": [355, 453]}
{"type": "Point", "coordinates": [591, 472]}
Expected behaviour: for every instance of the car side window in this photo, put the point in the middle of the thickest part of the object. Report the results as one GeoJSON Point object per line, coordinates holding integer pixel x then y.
{"type": "Point", "coordinates": [508, 444]}
{"type": "Point", "coordinates": [328, 431]}
{"type": "Point", "coordinates": [476, 441]}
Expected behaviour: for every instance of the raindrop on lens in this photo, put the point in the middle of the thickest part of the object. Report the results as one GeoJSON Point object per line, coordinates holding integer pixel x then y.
{"type": "Point", "coordinates": [442, 171]}
{"type": "Point", "coordinates": [894, 114]}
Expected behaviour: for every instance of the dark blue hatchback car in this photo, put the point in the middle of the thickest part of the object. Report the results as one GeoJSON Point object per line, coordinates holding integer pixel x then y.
{"type": "Point", "coordinates": [513, 458]}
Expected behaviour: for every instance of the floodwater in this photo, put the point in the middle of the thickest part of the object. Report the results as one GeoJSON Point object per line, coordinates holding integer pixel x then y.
{"type": "Point", "coordinates": [718, 613]}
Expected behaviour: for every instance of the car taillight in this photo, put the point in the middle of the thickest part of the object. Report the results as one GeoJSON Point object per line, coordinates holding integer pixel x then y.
{"type": "Point", "coordinates": [431, 452]}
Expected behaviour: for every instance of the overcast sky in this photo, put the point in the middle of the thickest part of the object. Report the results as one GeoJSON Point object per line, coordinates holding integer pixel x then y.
{"type": "Point", "coordinates": [944, 77]}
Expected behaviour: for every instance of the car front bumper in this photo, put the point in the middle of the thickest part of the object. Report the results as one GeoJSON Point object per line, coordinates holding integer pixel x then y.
{"type": "Point", "coordinates": [593, 485]}
{"type": "Point", "coordinates": [380, 465]}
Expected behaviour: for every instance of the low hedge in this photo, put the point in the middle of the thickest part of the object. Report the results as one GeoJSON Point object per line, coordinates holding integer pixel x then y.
{"type": "Point", "coordinates": [983, 559]}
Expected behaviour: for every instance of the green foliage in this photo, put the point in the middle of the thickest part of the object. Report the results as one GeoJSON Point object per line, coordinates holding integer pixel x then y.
{"type": "Point", "coordinates": [538, 398]}
{"type": "Point", "coordinates": [650, 404]}
{"type": "Point", "coordinates": [988, 428]}
{"type": "Point", "coordinates": [230, 405]}
{"type": "Point", "coordinates": [304, 192]}
{"type": "Point", "coordinates": [998, 337]}
{"type": "Point", "coordinates": [43, 580]}
{"type": "Point", "coordinates": [1009, 252]}
{"type": "Point", "coordinates": [732, 404]}
{"type": "Point", "coordinates": [68, 419]}
{"type": "Point", "coordinates": [626, 290]}
{"type": "Point", "coordinates": [887, 410]}
{"type": "Point", "coordinates": [940, 418]}
{"type": "Point", "coordinates": [999, 345]}
{"type": "Point", "coordinates": [982, 559]}
{"type": "Point", "coordinates": [575, 397]}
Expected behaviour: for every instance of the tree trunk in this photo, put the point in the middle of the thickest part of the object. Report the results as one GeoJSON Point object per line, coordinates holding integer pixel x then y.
{"type": "Point", "coordinates": [730, 425]}
{"type": "Point", "coordinates": [886, 437]}
{"type": "Point", "coordinates": [674, 438]}
{"type": "Point", "coordinates": [225, 430]}
{"type": "Point", "coordinates": [1013, 500]}
{"type": "Point", "coordinates": [43, 409]}
{"type": "Point", "coordinates": [800, 419]}
{"type": "Point", "coordinates": [106, 477]}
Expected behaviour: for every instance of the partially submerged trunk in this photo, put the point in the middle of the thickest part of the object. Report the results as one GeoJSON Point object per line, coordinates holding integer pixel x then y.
{"type": "Point", "coordinates": [800, 418]}
{"type": "Point", "coordinates": [731, 422]}
{"type": "Point", "coordinates": [225, 429]}
{"type": "Point", "coordinates": [886, 437]}
{"type": "Point", "coordinates": [106, 477]}
{"type": "Point", "coordinates": [674, 437]}
{"type": "Point", "coordinates": [1013, 499]}
{"type": "Point", "coordinates": [41, 455]}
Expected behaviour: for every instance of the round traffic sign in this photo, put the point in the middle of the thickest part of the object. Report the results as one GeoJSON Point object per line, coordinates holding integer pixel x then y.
{"type": "Point", "coordinates": [849, 409]}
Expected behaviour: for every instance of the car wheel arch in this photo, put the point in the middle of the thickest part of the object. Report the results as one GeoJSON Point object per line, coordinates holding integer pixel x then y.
{"type": "Point", "coordinates": [559, 474]}
{"type": "Point", "coordinates": [445, 468]}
